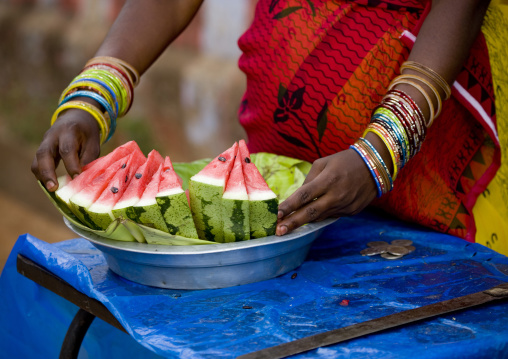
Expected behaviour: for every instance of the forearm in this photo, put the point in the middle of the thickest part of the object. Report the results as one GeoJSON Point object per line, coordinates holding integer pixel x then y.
{"type": "Point", "coordinates": [144, 29]}
{"type": "Point", "coordinates": [443, 45]}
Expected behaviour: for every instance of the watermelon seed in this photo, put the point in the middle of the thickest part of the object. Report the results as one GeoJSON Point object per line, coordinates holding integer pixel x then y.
{"type": "Point", "coordinates": [167, 170]}
{"type": "Point", "coordinates": [247, 160]}
{"type": "Point", "coordinates": [114, 189]}
{"type": "Point", "coordinates": [138, 175]}
{"type": "Point", "coordinates": [294, 275]}
{"type": "Point", "coordinates": [123, 166]}
{"type": "Point", "coordinates": [222, 159]}
{"type": "Point", "coordinates": [126, 179]}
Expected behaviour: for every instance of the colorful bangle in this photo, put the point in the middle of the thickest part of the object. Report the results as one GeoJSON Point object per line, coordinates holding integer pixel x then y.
{"type": "Point", "coordinates": [91, 109]}
{"type": "Point", "coordinates": [398, 81]}
{"type": "Point", "coordinates": [109, 90]}
{"type": "Point", "coordinates": [371, 170]}
{"type": "Point", "coordinates": [375, 154]}
{"type": "Point", "coordinates": [102, 101]}
{"type": "Point", "coordinates": [92, 87]}
{"type": "Point", "coordinates": [387, 141]}
{"type": "Point", "coordinates": [429, 85]}
{"type": "Point", "coordinates": [113, 60]}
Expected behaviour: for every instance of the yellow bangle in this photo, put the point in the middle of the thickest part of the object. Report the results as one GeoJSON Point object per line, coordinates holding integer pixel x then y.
{"type": "Point", "coordinates": [93, 85]}
{"type": "Point", "coordinates": [387, 144]}
{"type": "Point", "coordinates": [427, 83]}
{"type": "Point", "coordinates": [91, 109]}
{"type": "Point", "coordinates": [397, 81]}
{"type": "Point", "coordinates": [114, 61]}
{"type": "Point", "coordinates": [433, 75]}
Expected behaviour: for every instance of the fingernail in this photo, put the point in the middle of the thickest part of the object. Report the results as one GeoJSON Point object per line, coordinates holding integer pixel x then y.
{"type": "Point", "coordinates": [50, 184]}
{"type": "Point", "coordinates": [282, 230]}
{"type": "Point", "coordinates": [280, 214]}
{"type": "Point", "coordinates": [74, 176]}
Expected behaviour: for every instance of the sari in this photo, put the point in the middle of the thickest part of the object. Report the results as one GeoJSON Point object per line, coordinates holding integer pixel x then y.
{"type": "Point", "coordinates": [315, 71]}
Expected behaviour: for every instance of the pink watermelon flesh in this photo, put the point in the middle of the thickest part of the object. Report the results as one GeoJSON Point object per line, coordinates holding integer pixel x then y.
{"type": "Point", "coordinates": [94, 189]}
{"type": "Point", "coordinates": [120, 181]}
{"type": "Point", "coordinates": [140, 180]}
{"type": "Point", "coordinates": [94, 169]}
{"type": "Point", "coordinates": [119, 152]}
{"type": "Point", "coordinates": [151, 190]}
{"type": "Point", "coordinates": [257, 188]}
{"type": "Point", "coordinates": [235, 186]}
{"type": "Point", "coordinates": [218, 170]}
{"type": "Point", "coordinates": [170, 183]}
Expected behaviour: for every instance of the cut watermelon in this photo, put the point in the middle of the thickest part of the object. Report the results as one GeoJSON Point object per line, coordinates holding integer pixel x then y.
{"type": "Point", "coordinates": [263, 202]}
{"type": "Point", "coordinates": [206, 189]}
{"type": "Point", "coordinates": [138, 184]}
{"type": "Point", "coordinates": [235, 206]}
{"type": "Point", "coordinates": [100, 212]}
{"type": "Point", "coordinates": [173, 204]}
{"type": "Point", "coordinates": [94, 169]}
{"type": "Point", "coordinates": [81, 201]}
{"type": "Point", "coordinates": [146, 211]}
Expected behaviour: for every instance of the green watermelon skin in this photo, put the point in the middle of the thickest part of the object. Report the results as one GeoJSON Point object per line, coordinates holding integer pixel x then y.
{"type": "Point", "coordinates": [83, 215]}
{"type": "Point", "coordinates": [149, 215]}
{"type": "Point", "coordinates": [263, 217]}
{"type": "Point", "coordinates": [177, 214]}
{"type": "Point", "coordinates": [205, 202]}
{"type": "Point", "coordinates": [235, 217]}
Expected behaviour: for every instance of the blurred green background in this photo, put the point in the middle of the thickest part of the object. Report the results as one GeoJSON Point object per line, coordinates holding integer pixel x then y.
{"type": "Point", "coordinates": [185, 106]}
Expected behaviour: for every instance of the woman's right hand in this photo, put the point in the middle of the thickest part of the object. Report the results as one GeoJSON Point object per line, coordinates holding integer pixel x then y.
{"type": "Point", "coordinates": [75, 139]}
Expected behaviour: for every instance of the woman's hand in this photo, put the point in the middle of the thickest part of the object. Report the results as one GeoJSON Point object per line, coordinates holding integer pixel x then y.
{"type": "Point", "coordinates": [74, 139]}
{"type": "Point", "coordinates": [337, 185]}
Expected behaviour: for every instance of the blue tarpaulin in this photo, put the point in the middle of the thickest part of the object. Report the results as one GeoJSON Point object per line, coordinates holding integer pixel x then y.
{"type": "Point", "coordinates": [335, 287]}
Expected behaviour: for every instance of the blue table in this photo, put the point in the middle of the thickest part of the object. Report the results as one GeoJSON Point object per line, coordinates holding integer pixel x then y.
{"type": "Point", "coordinates": [225, 323]}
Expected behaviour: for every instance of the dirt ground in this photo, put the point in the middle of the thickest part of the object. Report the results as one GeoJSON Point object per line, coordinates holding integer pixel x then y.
{"type": "Point", "coordinates": [23, 206]}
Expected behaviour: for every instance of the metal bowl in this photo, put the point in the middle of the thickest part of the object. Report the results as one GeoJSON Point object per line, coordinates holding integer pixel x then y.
{"type": "Point", "coordinates": [208, 266]}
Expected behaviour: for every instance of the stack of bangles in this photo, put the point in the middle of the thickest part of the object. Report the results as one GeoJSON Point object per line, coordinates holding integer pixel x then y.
{"type": "Point", "coordinates": [110, 82]}
{"type": "Point", "coordinates": [400, 124]}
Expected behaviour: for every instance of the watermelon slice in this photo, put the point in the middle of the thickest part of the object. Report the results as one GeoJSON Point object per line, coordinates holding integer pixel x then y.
{"type": "Point", "coordinates": [136, 187]}
{"type": "Point", "coordinates": [81, 201]}
{"type": "Point", "coordinates": [100, 212]}
{"type": "Point", "coordinates": [206, 189]}
{"type": "Point", "coordinates": [263, 202]}
{"type": "Point", "coordinates": [94, 169]}
{"type": "Point", "coordinates": [146, 211]}
{"type": "Point", "coordinates": [173, 203]}
{"type": "Point", "coordinates": [235, 206]}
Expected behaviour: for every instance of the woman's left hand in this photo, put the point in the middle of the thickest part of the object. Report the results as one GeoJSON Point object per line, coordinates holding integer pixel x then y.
{"type": "Point", "coordinates": [337, 185]}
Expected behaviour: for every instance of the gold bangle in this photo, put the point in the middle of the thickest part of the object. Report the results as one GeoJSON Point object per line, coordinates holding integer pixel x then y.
{"type": "Point", "coordinates": [397, 81]}
{"type": "Point", "coordinates": [428, 84]}
{"type": "Point", "coordinates": [92, 85]}
{"type": "Point", "coordinates": [91, 109]}
{"type": "Point", "coordinates": [438, 79]}
{"type": "Point", "coordinates": [115, 61]}
{"type": "Point", "coordinates": [388, 146]}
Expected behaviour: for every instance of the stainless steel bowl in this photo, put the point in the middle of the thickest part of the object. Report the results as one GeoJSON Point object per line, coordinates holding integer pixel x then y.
{"type": "Point", "coordinates": [209, 266]}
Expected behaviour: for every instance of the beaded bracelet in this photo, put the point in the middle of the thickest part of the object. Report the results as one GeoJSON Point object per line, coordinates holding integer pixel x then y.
{"type": "Point", "coordinates": [371, 170]}
{"type": "Point", "coordinates": [102, 101]}
{"type": "Point", "coordinates": [91, 109]}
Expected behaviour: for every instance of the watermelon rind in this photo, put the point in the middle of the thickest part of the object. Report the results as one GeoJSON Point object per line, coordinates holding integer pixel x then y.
{"type": "Point", "coordinates": [176, 212]}
{"type": "Point", "coordinates": [147, 212]}
{"type": "Point", "coordinates": [263, 217]}
{"type": "Point", "coordinates": [79, 206]}
{"type": "Point", "coordinates": [205, 199]}
{"type": "Point", "coordinates": [100, 215]}
{"type": "Point", "coordinates": [235, 217]}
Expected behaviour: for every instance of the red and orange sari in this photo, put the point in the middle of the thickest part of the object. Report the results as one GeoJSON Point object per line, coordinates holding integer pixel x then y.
{"type": "Point", "coordinates": [315, 71]}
